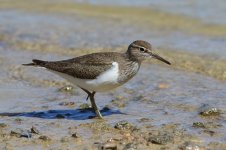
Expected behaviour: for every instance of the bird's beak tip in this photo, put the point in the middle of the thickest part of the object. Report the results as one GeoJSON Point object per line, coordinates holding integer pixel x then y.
{"type": "Point", "coordinates": [156, 56]}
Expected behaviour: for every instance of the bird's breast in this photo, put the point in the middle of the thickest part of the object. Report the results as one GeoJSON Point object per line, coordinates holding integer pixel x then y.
{"type": "Point", "coordinates": [127, 71]}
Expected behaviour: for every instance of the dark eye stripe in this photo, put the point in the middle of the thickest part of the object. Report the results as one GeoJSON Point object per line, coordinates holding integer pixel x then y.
{"type": "Point", "coordinates": [142, 49]}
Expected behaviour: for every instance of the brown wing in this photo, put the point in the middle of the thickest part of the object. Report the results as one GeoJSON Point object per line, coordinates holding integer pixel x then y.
{"type": "Point", "coordinates": [83, 67]}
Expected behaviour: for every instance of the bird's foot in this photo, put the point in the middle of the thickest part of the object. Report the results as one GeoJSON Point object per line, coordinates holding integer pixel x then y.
{"type": "Point", "coordinates": [98, 113]}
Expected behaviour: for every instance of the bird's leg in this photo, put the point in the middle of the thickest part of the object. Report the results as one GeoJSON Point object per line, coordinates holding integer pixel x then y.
{"type": "Point", "coordinates": [88, 93]}
{"type": "Point", "coordinates": [94, 106]}
{"type": "Point", "coordinates": [92, 100]}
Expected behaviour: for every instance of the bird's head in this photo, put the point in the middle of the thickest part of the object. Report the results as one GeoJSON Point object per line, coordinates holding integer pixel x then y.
{"type": "Point", "coordinates": [140, 50]}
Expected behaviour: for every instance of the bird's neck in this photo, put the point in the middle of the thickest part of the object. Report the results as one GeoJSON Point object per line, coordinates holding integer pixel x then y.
{"type": "Point", "coordinates": [132, 58]}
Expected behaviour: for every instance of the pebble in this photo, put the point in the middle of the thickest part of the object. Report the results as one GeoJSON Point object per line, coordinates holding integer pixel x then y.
{"type": "Point", "coordinates": [34, 130]}
{"type": "Point", "coordinates": [207, 110]}
{"type": "Point", "coordinates": [123, 125]}
{"type": "Point", "coordinates": [74, 135]}
{"type": "Point", "coordinates": [67, 88]}
{"type": "Point", "coordinates": [198, 125]}
{"type": "Point", "coordinates": [161, 139]}
{"type": "Point", "coordinates": [67, 104]}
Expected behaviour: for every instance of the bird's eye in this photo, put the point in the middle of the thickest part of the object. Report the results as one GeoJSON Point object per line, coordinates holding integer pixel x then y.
{"type": "Point", "coordinates": [142, 49]}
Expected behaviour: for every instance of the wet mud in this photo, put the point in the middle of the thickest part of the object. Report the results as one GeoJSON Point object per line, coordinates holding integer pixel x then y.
{"type": "Point", "coordinates": [176, 107]}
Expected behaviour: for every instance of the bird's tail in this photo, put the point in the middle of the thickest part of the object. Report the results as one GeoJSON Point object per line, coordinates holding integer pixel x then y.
{"type": "Point", "coordinates": [36, 62]}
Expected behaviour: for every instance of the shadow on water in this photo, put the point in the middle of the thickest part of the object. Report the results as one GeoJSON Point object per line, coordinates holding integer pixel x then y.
{"type": "Point", "coordinates": [71, 114]}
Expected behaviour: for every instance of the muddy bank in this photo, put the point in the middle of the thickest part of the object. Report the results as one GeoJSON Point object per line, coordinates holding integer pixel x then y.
{"type": "Point", "coordinates": [182, 105]}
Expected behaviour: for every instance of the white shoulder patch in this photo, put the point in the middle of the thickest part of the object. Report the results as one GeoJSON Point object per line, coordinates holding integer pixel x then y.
{"type": "Point", "coordinates": [111, 75]}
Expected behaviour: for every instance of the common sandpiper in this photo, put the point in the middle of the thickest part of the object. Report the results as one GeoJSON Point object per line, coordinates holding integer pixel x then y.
{"type": "Point", "coordinates": [100, 72]}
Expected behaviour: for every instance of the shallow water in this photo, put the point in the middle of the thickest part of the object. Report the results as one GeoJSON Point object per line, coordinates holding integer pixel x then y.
{"type": "Point", "coordinates": [70, 32]}
{"type": "Point", "coordinates": [166, 96]}
{"type": "Point", "coordinates": [204, 10]}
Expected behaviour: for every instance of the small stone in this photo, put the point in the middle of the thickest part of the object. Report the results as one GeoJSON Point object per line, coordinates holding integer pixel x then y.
{"type": "Point", "coordinates": [123, 125]}
{"type": "Point", "coordinates": [75, 135]}
{"type": "Point", "coordinates": [198, 125]}
{"type": "Point", "coordinates": [34, 130]}
{"type": "Point", "coordinates": [44, 138]}
{"type": "Point", "coordinates": [67, 88]}
{"type": "Point", "coordinates": [207, 110]}
{"type": "Point", "coordinates": [67, 104]}
{"type": "Point", "coordinates": [161, 139]}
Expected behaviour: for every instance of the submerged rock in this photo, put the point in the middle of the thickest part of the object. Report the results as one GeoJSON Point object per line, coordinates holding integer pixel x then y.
{"type": "Point", "coordinates": [162, 138]}
{"type": "Point", "coordinates": [124, 125]}
{"type": "Point", "coordinates": [207, 110]}
{"type": "Point", "coordinates": [198, 125]}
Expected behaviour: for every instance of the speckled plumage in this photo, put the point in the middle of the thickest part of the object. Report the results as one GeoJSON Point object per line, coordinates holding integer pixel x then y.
{"type": "Point", "coordinates": [104, 71]}
{"type": "Point", "coordinates": [92, 65]}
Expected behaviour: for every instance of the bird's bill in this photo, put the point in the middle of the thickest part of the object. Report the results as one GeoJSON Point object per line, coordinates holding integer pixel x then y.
{"type": "Point", "coordinates": [156, 56]}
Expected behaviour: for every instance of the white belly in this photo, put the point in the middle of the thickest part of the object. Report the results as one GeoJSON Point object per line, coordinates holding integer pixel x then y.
{"type": "Point", "coordinates": [108, 80]}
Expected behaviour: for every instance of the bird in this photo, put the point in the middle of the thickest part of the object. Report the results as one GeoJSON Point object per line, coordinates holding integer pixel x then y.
{"type": "Point", "coordinates": [103, 71]}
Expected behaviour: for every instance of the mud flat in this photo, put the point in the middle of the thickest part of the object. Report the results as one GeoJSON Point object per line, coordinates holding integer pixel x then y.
{"type": "Point", "coordinates": [178, 107]}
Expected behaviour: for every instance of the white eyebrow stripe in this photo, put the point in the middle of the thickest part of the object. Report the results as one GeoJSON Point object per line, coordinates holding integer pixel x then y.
{"type": "Point", "coordinates": [139, 46]}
